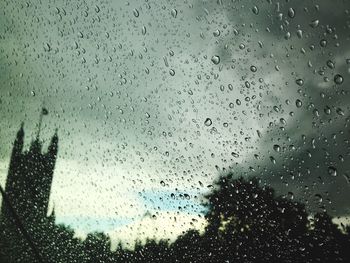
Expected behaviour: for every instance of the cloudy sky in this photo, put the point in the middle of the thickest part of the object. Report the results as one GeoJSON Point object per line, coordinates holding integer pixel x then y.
{"type": "Point", "coordinates": [154, 99]}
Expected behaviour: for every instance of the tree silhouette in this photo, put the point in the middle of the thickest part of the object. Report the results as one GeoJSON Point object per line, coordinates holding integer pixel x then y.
{"type": "Point", "coordinates": [97, 248]}
{"type": "Point", "coordinates": [246, 222]}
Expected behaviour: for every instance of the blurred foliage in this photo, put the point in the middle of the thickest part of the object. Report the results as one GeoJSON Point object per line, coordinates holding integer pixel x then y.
{"type": "Point", "coordinates": [247, 222]}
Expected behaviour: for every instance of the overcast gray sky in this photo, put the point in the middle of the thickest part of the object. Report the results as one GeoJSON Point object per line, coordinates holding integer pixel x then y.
{"type": "Point", "coordinates": [154, 98]}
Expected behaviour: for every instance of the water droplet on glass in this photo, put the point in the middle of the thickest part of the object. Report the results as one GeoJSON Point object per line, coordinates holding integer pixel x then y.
{"type": "Point", "coordinates": [47, 47]}
{"type": "Point", "coordinates": [291, 195]}
{"type": "Point", "coordinates": [330, 64]}
{"type": "Point", "coordinates": [291, 12]}
{"type": "Point", "coordinates": [298, 103]}
{"type": "Point", "coordinates": [340, 112]}
{"type": "Point", "coordinates": [259, 133]}
{"type": "Point", "coordinates": [208, 122]}
{"type": "Point", "coordinates": [215, 59]}
{"type": "Point", "coordinates": [314, 23]}
{"type": "Point", "coordinates": [319, 198]}
{"type": "Point", "coordinates": [299, 82]}
{"type": "Point", "coordinates": [273, 160]}
{"type": "Point", "coordinates": [253, 69]}
{"type": "Point", "coordinates": [277, 148]}
{"type": "Point", "coordinates": [327, 110]}
{"type": "Point", "coordinates": [332, 171]}
{"type": "Point", "coordinates": [216, 33]}
{"type": "Point", "coordinates": [323, 43]}
{"type": "Point", "coordinates": [338, 79]}
{"type": "Point", "coordinates": [255, 10]}
{"type": "Point", "coordinates": [174, 13]}
{"type": "Point", "coordinates": [136, 12]}
{"type": "Point", "coordinates": [236, 155]}
{"type": "Point", "coordinates": [299, 33]}
{"type": "Point", "coordinates": [287, 36]}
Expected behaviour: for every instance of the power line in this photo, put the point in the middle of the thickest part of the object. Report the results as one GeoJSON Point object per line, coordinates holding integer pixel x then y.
{"type": "Point", "coordinates": [20, 226]}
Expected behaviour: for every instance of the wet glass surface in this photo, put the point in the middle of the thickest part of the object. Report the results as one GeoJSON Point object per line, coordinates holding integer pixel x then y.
{"type": "Point", "coordinates": [174, 131]}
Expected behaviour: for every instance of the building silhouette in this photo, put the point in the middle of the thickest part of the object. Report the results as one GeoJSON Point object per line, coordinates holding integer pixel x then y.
{"type": "Point", "coordinates": [29, 178]}
{"type": "Point", "coordinates": [24, 219]}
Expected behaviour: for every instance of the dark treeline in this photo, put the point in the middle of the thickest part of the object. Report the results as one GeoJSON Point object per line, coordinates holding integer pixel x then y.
{"type": "Point", "coordinates": [247, 222]}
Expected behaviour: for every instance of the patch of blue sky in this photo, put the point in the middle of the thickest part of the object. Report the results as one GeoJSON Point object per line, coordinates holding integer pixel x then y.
{"type": "Point", "coordinates": [91, 224]}
{"type": "Point", "coordinates": [162, 201]}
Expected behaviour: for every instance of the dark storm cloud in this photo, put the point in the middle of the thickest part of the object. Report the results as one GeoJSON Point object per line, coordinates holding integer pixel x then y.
{"type": "Point", "coordinates": [125, 119]}
{"type": "Point", "coordinates": [316, 138]}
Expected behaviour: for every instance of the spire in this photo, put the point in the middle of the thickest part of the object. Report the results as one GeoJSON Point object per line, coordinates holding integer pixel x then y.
{"type": "Point", "coordinates": [43, 112]}
{"type": "Point", "coordinates": [52, 150]}
{"type": "Point", "coordinates": [36, 145]}
{"type": "Point", "coordinates": [18, 144]}
{"type": "Point", "coordinates": [20, 133]}
{"type": "Point", "coordinates": [52, 216]}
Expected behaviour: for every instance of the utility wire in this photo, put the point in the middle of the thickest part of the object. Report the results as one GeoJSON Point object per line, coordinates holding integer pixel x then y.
{"type": "Point", "coordinates": [20, 226]}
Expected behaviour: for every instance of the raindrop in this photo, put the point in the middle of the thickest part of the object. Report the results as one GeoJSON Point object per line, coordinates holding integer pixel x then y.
{"type": "Point", "coordinates": [291, 195]}
{"type": "Point", "coordinates": [215, 59]}
{"type": "Point", "coordinates": [277, 148]}
{"type": "Point", "coordinates": [338, 79]}
{"type": "Point", "coordinates": [253, 69]}
{"type": "Point", "coordinates": [259, 133]}
{"type": "Point", "coordinates": [319, 198]}
{"type": "Point", "coordinates": [291, 12]}
{"type": "Point", "coordinates": [327, 110]}
{"type": "Point", "coordinates": [332, 171]}
{"type": "Point", "coordinates": [323, 43]}
{"type": "Point", "coordinates": [298, 103]}
{"type": "Point", "coordinates": [340, 112]}
{"type": "Point", "coordinates": [314, 23]}
{"type": "Point", "coordinates": [255, 10]}
{"type": "Point", "coordinates": [330, 64]}
{"type": "Point", "coordinates": [216, 33]}
{"type": "Point", "coordinates": [236, 155]}
{"type": "Point", "coordinates": [47, 47]}
{"type": "Point", "coordinates": [208, 122]}
{"type": "Point", "coordinates": [299, 33]}
{"type": "Point", "coordinates": [273, 160]}
{"type": "Point", "coordinates": [287, 36]}
{"type": "Point", "coordinates": [174, 13]}
{"type": "Point", "coordinates": [299, 82]}
{"type": "Point", "coordinates": [136, 12]}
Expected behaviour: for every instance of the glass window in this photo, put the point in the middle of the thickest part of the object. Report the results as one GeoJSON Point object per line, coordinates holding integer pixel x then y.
{"type": "Point", "coordinates": [174, 131]}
